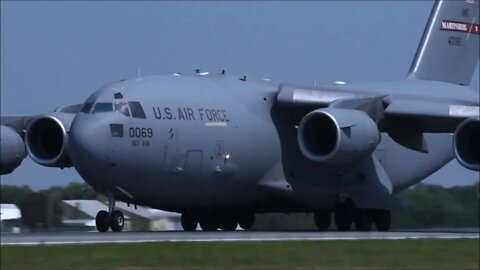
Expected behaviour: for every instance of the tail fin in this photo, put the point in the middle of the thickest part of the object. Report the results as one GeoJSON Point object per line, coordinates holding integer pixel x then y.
{"type": "Point", "coordinates": [449, 49]}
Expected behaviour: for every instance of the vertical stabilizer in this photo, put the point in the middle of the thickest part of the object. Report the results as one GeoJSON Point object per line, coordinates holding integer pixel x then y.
{"type": "Point", "coordinates": [449, 48]}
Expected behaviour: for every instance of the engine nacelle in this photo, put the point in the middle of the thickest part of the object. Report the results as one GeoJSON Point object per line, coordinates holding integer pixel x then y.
{"type": "Point", "coordinates": [47, 140]}
{"type": "Point", "coordinates": [12, 150]}
{"type": "Point", "coordinates": [466, 143]}
{"type": "Point", "coordinates": [337, 136]}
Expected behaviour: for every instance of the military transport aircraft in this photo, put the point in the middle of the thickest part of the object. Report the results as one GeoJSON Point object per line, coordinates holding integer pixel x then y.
{"type": "Point", "coordinates": [220, 148]}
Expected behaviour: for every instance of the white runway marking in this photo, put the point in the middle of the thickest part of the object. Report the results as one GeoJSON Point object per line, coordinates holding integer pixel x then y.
{"type": "Point", "coordinates": [71, 238]}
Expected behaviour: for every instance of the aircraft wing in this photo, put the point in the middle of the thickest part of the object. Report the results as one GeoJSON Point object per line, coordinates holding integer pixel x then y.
{"type": "Point", "coordinates": [387, 110]}
{"type": "Point", "coordinates": [401, 113]}
{"type": "Point", "coordinates": [290, 95]}
{"type": "Point", "coordinates": [429, 117]}
{"type": "Point", "coordinates": [20, 123]}
{"type": "Point", "coordinates": [17, 123]}
{"type": "Point", "coordinates": [12, 136]}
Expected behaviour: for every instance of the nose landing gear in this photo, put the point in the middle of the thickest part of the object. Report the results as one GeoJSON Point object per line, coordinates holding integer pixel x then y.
{"type": "Point", "coordinates": [117, 221]}
{"type": "Point", "coordinates": [113, 219]}
{"type": "Point", "coordinates": [102, 221]}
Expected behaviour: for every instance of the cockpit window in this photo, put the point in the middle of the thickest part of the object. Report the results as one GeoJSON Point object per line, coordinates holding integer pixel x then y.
{"type": "Point", "coordinates": [137, 110]}
{"type": "Point", "coordinates": [103, 107]}
{"type": "Point", "coordinates": [87, 107]}
{"type": "Point", "coordinates": [122, 108]}
{"type": "Point", "coordinates": [133, 108]}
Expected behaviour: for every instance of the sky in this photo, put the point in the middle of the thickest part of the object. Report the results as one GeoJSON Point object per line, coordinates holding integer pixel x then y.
{"type": "Point", "coordinates": [57, 53]}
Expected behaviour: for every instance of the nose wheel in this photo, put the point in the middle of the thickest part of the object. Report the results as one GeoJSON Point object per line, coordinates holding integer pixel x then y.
{"type": "Point", "coordinates": [113, 219]}
{"type": "Point", "coordinates": [117, 221]}
{"type": "Point", "coordinates": [102, 221]}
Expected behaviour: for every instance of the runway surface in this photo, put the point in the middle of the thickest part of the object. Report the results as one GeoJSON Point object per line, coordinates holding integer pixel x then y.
{"type": "Point", "coordinates": [56, 238]}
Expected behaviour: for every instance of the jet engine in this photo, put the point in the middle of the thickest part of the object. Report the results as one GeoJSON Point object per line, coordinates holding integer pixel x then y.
{"type": "Point", "coordinates": [47, 140]}
{"type": "Point", "coordinates": [12, 150]}
{"type": "Point", "coordinates": [337, 136]}
{"type": "Point", "coordinates": [466, 143]}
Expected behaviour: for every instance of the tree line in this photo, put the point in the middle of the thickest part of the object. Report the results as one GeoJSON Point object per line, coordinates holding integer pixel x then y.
{"type": "Point", "coordinates": [41, 209]}
{"type": "Point", "coordinates": [429, 206]}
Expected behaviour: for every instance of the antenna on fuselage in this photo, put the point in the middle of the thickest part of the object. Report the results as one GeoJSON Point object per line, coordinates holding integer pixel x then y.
{"type": "Point", "coordinates": [199, 73]}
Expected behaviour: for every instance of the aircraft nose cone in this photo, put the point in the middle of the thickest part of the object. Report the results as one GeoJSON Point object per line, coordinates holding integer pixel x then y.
{"type": "Point", "coordinates": [87, 146]}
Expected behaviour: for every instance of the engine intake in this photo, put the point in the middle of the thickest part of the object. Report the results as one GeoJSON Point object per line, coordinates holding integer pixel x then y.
{"type": "Point", "coordinates": [466, 143]}
{"type": "Point", "coordinates": [339, 136]}
{"type": "Point", "coordinates": [47, 140]}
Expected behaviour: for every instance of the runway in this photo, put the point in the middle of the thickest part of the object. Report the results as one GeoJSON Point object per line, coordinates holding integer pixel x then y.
{"type": "Point", "coordinates": [57, 238]}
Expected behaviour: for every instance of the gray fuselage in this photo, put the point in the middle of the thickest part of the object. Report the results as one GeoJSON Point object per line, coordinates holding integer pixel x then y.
{"type": "Point", "coordinates": [217, 141]}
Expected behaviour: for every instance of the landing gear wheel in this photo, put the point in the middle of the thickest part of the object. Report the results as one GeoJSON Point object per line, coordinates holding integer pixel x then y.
{"type": "Point", "coordinates": [343, 221]}
{"type": "Point", "coordinates": [344, 215]}
{"type": "Point", "coordinates": [322, 220]}
{"type": "Point", "coordinates": [363, 222]}
{"type": "Point", "coordinates": [208, 223]}
{"type": "Point", "coordinates": [246, 221]}
{"type": "Point", "coordinates": [102, 221]}
{"type": "Point", "coordinates": [382, 219]}
{"type": "Point", "coordinates": [117, 221]}
{"type": "Point", "coordinates": [189, 222]}
{"type": "Point", "coordinates": [227, 223]}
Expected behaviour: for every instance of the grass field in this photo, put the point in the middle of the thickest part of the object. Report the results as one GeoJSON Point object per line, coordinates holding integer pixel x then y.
{"type": "Point", "coordinates": [371, 254]}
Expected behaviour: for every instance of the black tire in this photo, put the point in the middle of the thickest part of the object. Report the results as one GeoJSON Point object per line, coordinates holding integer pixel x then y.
{"type": "Point", "coordinates": [117, 221]}
{"type": "Point", "coordinates": [322, 220]}
{"type": "Point", "coordinates": [189, 222]}
{"type": "Point", "coordinates": [344, 214]}
{"type": "Point", "coordinates": [343, 221]}
{"type": "Point", "coordinates": [362, 220]}
{"type": "Point", "coordinates": [102, 221]}
{"type": "Point", "coordinates": [227, 223]}
{"type": "Point", "coordinates": [208, 223]}
{"type": "Point", "coordinates": [246, 221]}
{"type": "Point", "coordinates": [382, 219]}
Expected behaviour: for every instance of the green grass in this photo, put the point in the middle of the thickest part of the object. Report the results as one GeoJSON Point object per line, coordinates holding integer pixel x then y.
{"type": "Point", "coordinates": [370, 254]}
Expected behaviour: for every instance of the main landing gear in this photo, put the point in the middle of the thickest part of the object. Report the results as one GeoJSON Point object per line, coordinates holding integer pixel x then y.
{"type": "Point", "coordinates": [212, 221]}
{"type": "Point", "coordinates": [113, 219]}
{"type": "Point", "coordinates": [346, 214]}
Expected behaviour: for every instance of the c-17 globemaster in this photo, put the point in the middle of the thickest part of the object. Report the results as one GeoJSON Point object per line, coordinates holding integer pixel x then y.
{"type": "Point", "coordinates": [220, 148]}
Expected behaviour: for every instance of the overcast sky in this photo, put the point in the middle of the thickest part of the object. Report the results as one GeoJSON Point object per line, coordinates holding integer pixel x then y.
{"type": "Point", "coordinates": [56, 53]}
